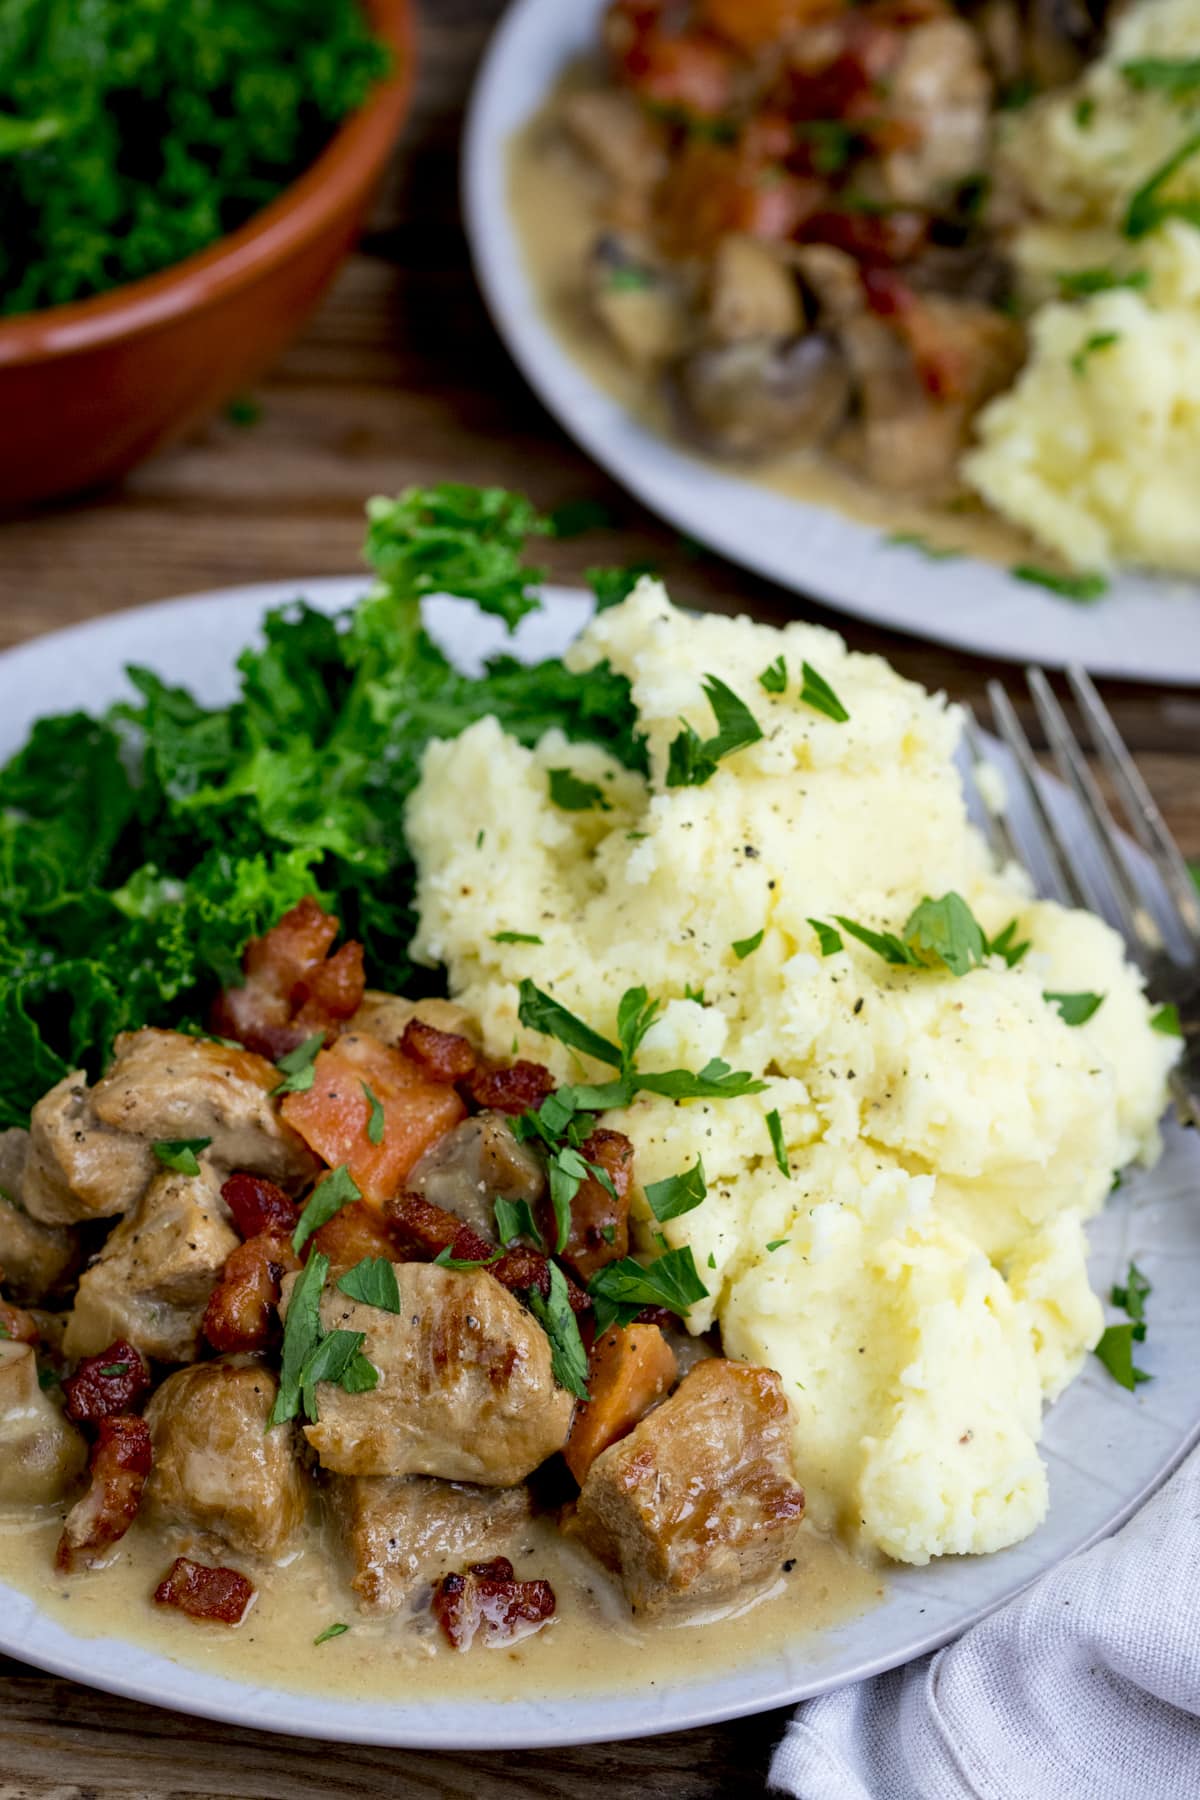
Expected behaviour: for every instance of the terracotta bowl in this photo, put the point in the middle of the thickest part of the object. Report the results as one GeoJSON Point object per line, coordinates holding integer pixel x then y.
{"type": "Point", "coordinates": [88, 390]}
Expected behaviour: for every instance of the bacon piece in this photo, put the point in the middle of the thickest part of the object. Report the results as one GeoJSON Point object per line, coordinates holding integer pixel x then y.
{"type": "Point", "coordinates": [594, 1211]}
{"type": "Point", "coordinates": [353, 1233]}
{"type": "Point", "coordinates": [888, 237]}
{"type": "Point", "coordinates": [293, 987]}
{"type": "Point", "coordinates": [519, 1087]}
{"type": "Point", "coordinates": [121, 1459]}
{"type": "Point", "coordinates": [240, 1314]}
{"type": "Point", "coordinates": [16, 1324]}
{"type": "Point", "coordinates": [258, 1205]}
{"type": "Point", "coordinates": [219, 1596]}
{"type": "Point", "coordinates": [488, 1599]}
{"type": "Point", "coordinates": [687, 72]}
{"type": "Point", "coordinates": [424, 1231]}
{"type": "Point", "coordinates": [442, 1055]}
{"type": "Point", "coordinates": [116, 1381]}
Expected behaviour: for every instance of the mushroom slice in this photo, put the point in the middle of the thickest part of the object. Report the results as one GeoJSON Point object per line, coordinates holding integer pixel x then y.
{"type": "Point", "coordinates": [763, 394]}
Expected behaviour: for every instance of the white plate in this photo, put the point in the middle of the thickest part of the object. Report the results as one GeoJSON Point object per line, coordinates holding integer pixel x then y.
{"type": "Point", "coordinates": [1106, 1449]}
{"type": "Point", "coordinates": [1145, 628]}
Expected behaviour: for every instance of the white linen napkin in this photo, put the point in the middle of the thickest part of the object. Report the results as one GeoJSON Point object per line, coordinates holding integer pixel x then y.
{"type": "Point", "coordinates": [1087, 1687]}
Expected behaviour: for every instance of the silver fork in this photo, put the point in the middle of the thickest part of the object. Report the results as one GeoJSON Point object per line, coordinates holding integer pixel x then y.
{"type": "Point", "coordinates": [1089, 867]}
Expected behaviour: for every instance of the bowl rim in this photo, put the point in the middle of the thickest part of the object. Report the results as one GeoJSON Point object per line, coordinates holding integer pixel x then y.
{"type": "Point", "coordinates": [309, 203]}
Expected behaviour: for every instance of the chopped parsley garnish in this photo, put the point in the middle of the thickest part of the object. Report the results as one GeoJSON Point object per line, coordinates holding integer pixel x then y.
{"type": "Point", "coordinates": [774, 676]}
{"type": "Point", "coordinates": [1085, 112]}
{"type": "Point", "coordinates": [47, 1377]}
{"type": "Point", "coordinates": [677, 1194]}
{"type": "Point", "coordinates": [1075, 1009]}
{"type": "Point", "coordinates": [1084, 587]}
{"type": "Point", "coordinates": [330, 1631]}
{"type": "Point", "coordinates": [1077, 284]}
{"type": "Point", "coordinates": [777, 1244]}
{"type": "Point", "coordinates": [568, 1358]}
{"type": "Point", "coordinates": [775, 1130]}
{"type": "Point", "coordinates": [620, 1291]}
{"type": "Point", "coordinates": [180, 1154]}
{"type": "Point", "coordinates": [829, 939]}
{"type": "Point", "coordinates": [376, 1122]}
{"type": "Point", "coordinates": [1099, 340]}
{"type": "Point", "coordinates": [298, 1067]}
{"type": "Point", "coordinates": [635, 1015]}
{"type": "Point", "coordinates": [715, 1081]}
{"type": "Point", "coordinates": [1115, 1351]}
{"type": "Point", "coordinates": [573, 795]}
{"type": "Point", "coordinates": [628, 279]}
{"type": "Point", "coordinates": [464, 1265]}
{"type": "Point", "coordinates": [337, 1358]}
{"type": "Point", "coordinates": [373, 1281]}
{"type": "Point", "coordinates": [1176, 76]}
{"type": "Point", "coordinates": [334, 1191]}
{"type": "Point", "coordinates": [1148, 207]}
{"type": "Point", "coordinates": [539, 1012]}
{"type": "Point", "coordinates": [692, 760]}
{"type": "Point", "coordinates": [1132, 1299]}
{"type": "Point", "coordinates": [568, 1171]}
{"type": "Point", "coordinates": [1004, 944]}
{"type": "Point", "coordinates": [1166, 1020]}
{"type": "Point", "coordinates": [515, 937]}
{"type": "Point", "coordinates": [696, 995]}
{"type": "Point", "coordinates": [117, 1368]}
{"type": "Point", "coordinates": [834, 144]}
{"type": "Point", "coordinates": [744, 947]}
{"type": "Point", "coordinates": [817, 693]}
{"type": "Point", "coordinates": [712, 1261]}
{"type": "Point", "coordinates": [514, 1219]}
{"type": "Point", "coordinates": [301, 1335]}
{"type": "Point", "coordinates": [913, 540]}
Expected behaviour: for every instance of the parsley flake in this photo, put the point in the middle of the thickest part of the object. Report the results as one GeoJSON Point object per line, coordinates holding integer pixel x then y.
{"type": "Point", "coordinates": [620, 1290]}
{"type": "Point", "coordinates": [1077, 284]}
{"type": "Point", "coordinates": [180, 1154]}
{"type": "Point", "coordinates": [677, 1194]}
{"type": "Point", "coordinates": [1075, 1009]}
{"type": "Point", "coordinates": [818, 694]}
{"type": "Point", "coordinates": [298, 1067]}
{"type": "Point", "coordinates": [568, 1358]}
{"type": "Point", "coordinates": [330, 1631]}
{"type": "Point", "coordinates": [1176, 76]}
{"type": "Point", "coordinates": [301, 1334]}
{"type": "Point", "coordinates": [774, 676]}
{"type": "Point", "coordinates": [1115, 1351]}
{"type": "Point", "coordinates": [117, 1368]}
{"type": "Point", "coordinates": [1099, 340]}
{"type": "Point", "coordinates": [515, 937]}
{"type": "Point", "coordinates": [376, 1122]}
{"type": "Point", "coordinates": [775, 1130]}
{"type": "Point", "coordinates": [571, 794]}
{"type": "Point", "coordinates": [464, 1265]}
{"type": "Point", "coordinates": [1132, 1299]}
{"type": "Point", "coordinates": [913, 540]}
{"type": "Point", "coordinates": [1148, 208]}
{"type": "Point", "coordinates": [514, 1219]}
{"type": "Point", "coordinates": [332, 1192]}
{"type": "Point", "coordinates": [692, 760]}
{"type": "Point", "coordinates": [373, 1281]}
{"type": "Point", "coordinates": [777, 1244]}
{"type": "Point", "coordinates": [744, 947]}
{"type": "Point", "coordinates": [1166, 1020]}
{"type": "Point", "coordinates": [1069, 587]}
{"type": "Point", "coordinates": [829, 940]}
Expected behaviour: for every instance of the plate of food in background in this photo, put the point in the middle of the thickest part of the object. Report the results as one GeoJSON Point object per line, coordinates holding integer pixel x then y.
{"type": "Point", "coordinates": [896, 304]}
{"type": "Point", "coordinates": [546, 1190]}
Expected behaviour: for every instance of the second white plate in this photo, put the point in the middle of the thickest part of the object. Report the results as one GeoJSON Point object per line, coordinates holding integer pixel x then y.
{"type": "Point", "coordinates": [1145, 628]}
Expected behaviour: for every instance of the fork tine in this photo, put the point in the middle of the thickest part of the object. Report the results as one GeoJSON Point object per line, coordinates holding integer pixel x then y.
{"type": "Point", "coordinates": [1136, 922]}
{"type": "Point", "coordinates": [1147, 822]}
{"type": "Point", "coordinates": [997, 829]}
{"type": "Point", "coordinates": [1063, 883]}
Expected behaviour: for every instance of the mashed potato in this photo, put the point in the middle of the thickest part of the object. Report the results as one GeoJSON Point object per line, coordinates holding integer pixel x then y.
{"type": "Point", "coordinates": [1096, 450]}
{"type": "Point", "coordinates": [918, 1278]}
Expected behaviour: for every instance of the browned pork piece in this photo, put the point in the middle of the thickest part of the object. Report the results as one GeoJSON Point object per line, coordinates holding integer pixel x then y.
{"type": "Point", "coordinates": [78, 1167]}
{"type": "Point", "coordinates": [465, 1390]}
{"type": "Point", "coordinates": [941, 90]}
{"type": "Point", "coordinates": [217, 1468]}
{"type": "Point", "coordinates": [41, 1455]}
{"type": "Point", "coordinates": [699, 1502]}
{"type": "Point", "coordinates": [152, 1280]}
{"type": "Point", "coordinates": [164, 1086]}
{"type": "Point", "coordinates": [35, 1257]}
{"type": "Point", "coordinates": [476, 1164]}
{"type": "Point", "coordinates": [399, 1532]}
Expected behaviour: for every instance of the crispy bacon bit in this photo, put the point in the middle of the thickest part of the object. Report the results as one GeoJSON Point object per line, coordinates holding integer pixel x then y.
{"type": "Point", "coordinates": [240, 1314]}
{"type": "Point", "coordinates": [515, 1089]}
{"type": "Point", "coordinates": [353, 1233]}
{"type": "Point", "coordinates": [423, 1231]}
{"type": "Point", "coordinates": [258, 1205]}
{"type": "Point", "coordinates": [220, 1596]}
{"type": "Point", "coordinates": [116, 1381]}
{"type": "Point", "coordinates": [293, 987]}
{"type": "Point", "coordinates": [442, 1055]}
{"type": "Point", "coordinates": [594, 1211]}
{"type": "Point", "coordinates": [490, 1600]}
{"type": "Point", "coordinates": [121, 1459]}
{"type": "Point", "coordinates": [16, 1324]}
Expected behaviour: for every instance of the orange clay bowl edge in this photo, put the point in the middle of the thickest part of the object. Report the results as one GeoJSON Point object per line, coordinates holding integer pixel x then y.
{"type": "Point", "coordinates": [89, 389]}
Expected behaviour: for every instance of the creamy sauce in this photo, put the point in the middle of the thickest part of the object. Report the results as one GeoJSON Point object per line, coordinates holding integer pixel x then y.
{"type": "Point", "coordinates": [557, 202]}
{"type": "Point", "coordinates": [587, 1648]}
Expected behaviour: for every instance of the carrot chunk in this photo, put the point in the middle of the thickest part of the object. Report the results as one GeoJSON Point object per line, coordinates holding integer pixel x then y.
{"type": "Point", "coordinates": [631, 1367]}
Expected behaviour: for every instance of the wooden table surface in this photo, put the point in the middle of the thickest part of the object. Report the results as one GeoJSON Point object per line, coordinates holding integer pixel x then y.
{"type": "Point", "coordinates": [399, 379]}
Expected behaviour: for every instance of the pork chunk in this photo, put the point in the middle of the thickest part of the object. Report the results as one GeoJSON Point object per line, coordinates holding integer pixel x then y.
{"type": "Point", "coordinates": [465, 1384]}
{"type": "Point", "coordinates": [152, 1280]}
{"type": "Point", "coordinates": [400, 1532]}
{"type": "Point", "coordinates": [476, 1164]}
{"type": "Point", "coordinates": [34, 1257]}
{"type": "Point", "coordinates": [699, 1502]}
{"type": "Point", "coordinates": [164, 1086]}
{"type": "Point", "coordinates": [79, 1167]}
{"type": "Point", "coordinates": [217, 1469]}
{"type": "Point", "coordinates": [41, 1455]}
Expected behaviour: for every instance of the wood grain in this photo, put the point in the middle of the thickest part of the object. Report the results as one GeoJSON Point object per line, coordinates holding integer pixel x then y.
{"type": "Point", "coordinates": [401, 378]}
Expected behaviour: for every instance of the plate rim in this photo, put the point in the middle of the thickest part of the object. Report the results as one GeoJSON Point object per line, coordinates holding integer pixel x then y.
{"type": "Point", "coordinates": [1107, 638]}
{"type": "Point", "coordinates": [571, 1719]}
